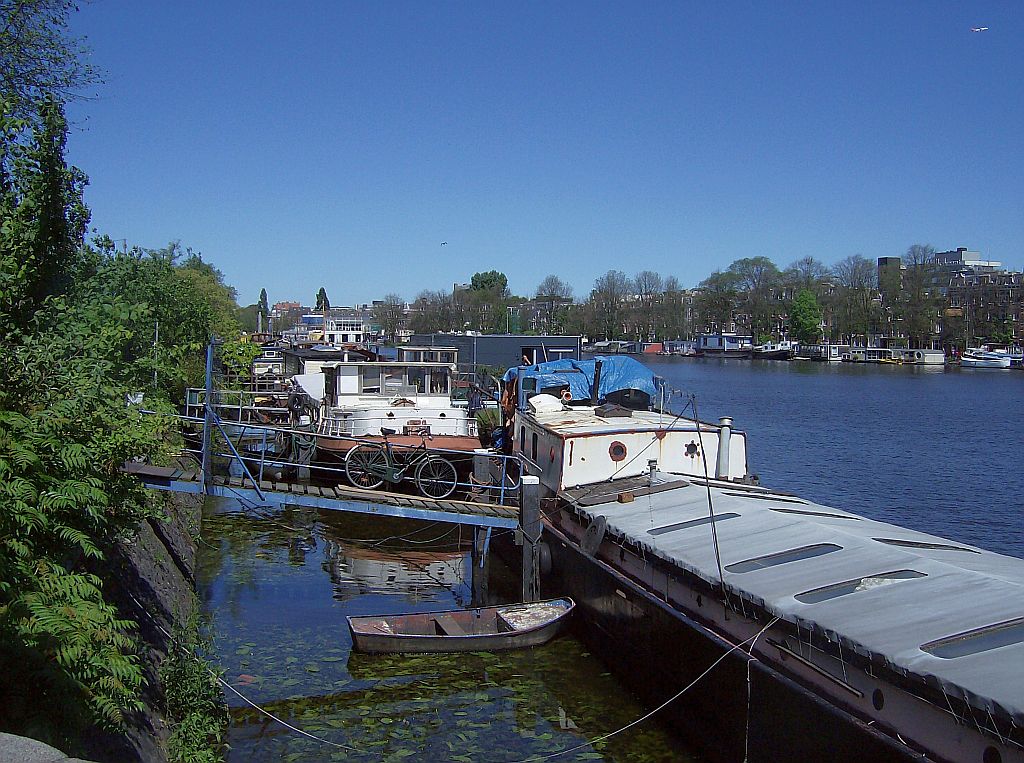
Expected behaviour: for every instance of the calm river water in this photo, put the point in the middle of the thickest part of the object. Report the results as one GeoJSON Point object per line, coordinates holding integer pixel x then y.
{"type": "Point", "coordinates": [933, 449]}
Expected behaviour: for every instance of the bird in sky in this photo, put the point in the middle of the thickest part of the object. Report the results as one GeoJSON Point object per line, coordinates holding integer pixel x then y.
{"type": "Point", "coordinates": [979, 28]}
{"type": "Point", "coordinates": [444, 243]}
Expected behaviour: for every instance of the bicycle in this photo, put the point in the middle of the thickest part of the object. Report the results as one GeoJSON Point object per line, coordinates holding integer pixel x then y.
{"type": "Point", "coordinates": [369, 466]}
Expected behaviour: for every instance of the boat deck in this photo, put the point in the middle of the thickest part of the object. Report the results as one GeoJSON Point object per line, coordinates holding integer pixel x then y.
{"type": "Point", "coordinates": [941, 613]}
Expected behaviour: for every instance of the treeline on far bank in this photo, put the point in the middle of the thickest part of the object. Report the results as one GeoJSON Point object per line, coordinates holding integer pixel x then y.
{"type": "Point", "coordinates": [78, 334]}
{"type": "Point", "coordinates": [807, 300]}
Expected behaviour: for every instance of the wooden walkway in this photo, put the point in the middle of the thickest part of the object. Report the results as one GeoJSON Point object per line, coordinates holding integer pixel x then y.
{"type": "Point", "coordinates": [339, 498]}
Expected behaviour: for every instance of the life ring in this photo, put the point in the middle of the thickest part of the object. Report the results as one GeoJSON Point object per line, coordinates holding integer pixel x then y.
{"type": "Point", "coordinates": [566, 396]}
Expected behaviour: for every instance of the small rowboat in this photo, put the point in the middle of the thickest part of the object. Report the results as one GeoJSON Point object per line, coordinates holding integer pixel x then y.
{"type": "Point", "coordinates": [485, 629]}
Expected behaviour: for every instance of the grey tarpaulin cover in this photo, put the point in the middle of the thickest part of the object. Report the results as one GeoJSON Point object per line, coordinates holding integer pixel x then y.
{"type": "Point", "coordinates": [888, 590]}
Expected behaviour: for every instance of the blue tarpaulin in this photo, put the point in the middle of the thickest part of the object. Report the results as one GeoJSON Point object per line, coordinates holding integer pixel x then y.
{"type": "Point", "coordinates": [617, 373]}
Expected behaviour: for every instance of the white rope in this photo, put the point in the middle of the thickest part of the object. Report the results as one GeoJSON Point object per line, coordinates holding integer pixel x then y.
{"type": "Point", "coordinates": [750, 653]}
{"type": "Point", "coordinates": [224, 683]}
{"type": "Point", "coordinates": [660, 707]}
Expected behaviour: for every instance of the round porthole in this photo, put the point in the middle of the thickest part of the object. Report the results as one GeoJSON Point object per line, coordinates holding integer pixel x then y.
{"type": "Point", "coordinates": [878, 699]}
{"type": "Point", "coordinates": [617, 451]}
{"type": "Point", "coordinates": [991, 755]}
{"type": "Point", "coordinates": [691, 450]}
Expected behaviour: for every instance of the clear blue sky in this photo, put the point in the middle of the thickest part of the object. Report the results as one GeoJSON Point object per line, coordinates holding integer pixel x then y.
{"type": "Point", "coordinates": [337, 144]}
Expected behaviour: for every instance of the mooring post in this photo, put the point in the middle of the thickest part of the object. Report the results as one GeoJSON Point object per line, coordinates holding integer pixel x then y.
{"type": "Point", "coordinates": [482, 475]}
{"type": "Point", "coordinates": [208, 419]}
{"type": "Point", "coordinates": [481, 565]}
{"type": "Point", "coordinates": [529, 524]}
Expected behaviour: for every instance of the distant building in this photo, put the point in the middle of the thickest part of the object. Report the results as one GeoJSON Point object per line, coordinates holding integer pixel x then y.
{"type": "Point", "coordinates": [962, 258]}
{"type": "Point", "coordinates": [503, 350]}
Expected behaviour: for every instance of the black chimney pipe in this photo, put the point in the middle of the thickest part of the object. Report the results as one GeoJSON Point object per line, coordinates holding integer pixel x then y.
{"type": "Point", "coordinates": [597, 383]}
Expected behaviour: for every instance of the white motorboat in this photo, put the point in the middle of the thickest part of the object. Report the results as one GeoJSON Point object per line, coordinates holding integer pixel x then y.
{"type": "Point", "coordinates": [982, 357]}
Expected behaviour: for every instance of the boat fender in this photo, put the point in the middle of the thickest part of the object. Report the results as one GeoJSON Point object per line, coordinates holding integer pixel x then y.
{"type": "Point", "coordinates": [593, 536]}
{"type": "Point", "coordinates": [546, 560]}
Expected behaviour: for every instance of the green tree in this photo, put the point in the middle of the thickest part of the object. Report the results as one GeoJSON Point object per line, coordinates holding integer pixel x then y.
{"type": "Point", "coordinates": [856, 279]}
{"type": "Point", "coordinates": [38, 58]}
{"type": "Point", "coordinates": [322, 302]}
{"type": "Point", "coordinates": [805, 318]}
{"type": "Point", "coordinates": [64, 433]}
{"type": "Point", "coordinates": [755, 277]}
{"type": "Point", "coordinates": [716, 301]}
{"type": "Point", "coordinates": [491, 281]}
{"type": "Point", "coordinates": [920, 294]}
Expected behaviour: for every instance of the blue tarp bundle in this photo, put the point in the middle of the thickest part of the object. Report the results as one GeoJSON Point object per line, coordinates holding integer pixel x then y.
{"type": "Point", "coordinates": [616, 373]}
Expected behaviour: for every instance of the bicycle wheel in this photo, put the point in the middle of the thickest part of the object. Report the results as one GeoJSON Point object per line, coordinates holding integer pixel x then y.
{"type": "Point", "coordinates": [365, 466]}
{"type": "Point", "coordinates": [436, 477]}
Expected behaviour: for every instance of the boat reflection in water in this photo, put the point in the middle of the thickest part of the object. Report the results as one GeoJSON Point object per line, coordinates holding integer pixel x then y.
{"type": "Point", "coordinates": [360, 568]}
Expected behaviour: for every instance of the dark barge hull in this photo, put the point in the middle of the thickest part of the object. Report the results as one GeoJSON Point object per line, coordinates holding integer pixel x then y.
{"type": "Point", "coordinates": [657, 650]}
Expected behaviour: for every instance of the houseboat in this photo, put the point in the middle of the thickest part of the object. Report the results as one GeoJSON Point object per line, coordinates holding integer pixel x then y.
{"type": "Point", "coordinates": [828, 353]}
{"type": "Point", "coordinates": [724, 345]}
{"type": "Point", "coordinates": [784, 350]}
{"type": "Point", "coordinates": [413, 395]}
{"type": "Point", "coordinates": [777, 628]}
{"type": "Point", "coordinates": [900, 355]}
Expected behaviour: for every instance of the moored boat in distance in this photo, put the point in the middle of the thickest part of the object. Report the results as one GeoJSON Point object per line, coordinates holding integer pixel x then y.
{"type": "Point", "coordinates": [784, 350]}
{"type": "Point", "coordinates": [724, 345]}
{"type": "Point", "coordinates": [831, 636]}
{"type": "Point", "coordinates": [483, 629]}
{"type": "Point", "coordinates": [412, 395]}
{"type": "Point", "coordinates": [983, 357]}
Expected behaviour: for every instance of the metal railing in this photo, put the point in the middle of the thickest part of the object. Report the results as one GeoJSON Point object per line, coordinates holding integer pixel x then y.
{"type": "Point", "coordinates": [259, 451]}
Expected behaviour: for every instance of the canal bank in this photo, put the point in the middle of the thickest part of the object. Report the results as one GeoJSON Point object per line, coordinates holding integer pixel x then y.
{"type": "Point", "coordinates": [276, 587]}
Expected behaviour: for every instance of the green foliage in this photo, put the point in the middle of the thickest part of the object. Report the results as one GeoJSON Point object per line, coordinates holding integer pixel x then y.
{"type": "Point", "coordinates": [78, 328]}
{"type": "Point", "coordinates": [238, 356]}
{"type": "Point", "coordinates": [37, 56]}
{"type": "Point", "coordinates": [805, 318]}
{"type": "Point", "coordinates": [492, 280]}
{"type": "Point", "coordinates": [195, 707]}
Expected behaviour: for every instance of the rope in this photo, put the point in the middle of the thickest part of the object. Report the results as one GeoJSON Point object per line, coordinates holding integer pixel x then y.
{"type": "Point", "coordinates": [711, 504]}
{"type": "Point", "coordinates": [666, 703]}
{"type": "Point", "coordinates": [750, 653]}
{"type": "Point", "coordinates": [171, 640]}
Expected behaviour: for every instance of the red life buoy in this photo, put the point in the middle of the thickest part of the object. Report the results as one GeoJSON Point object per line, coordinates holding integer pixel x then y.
{"type": "Point", "coordinates": [566, 396]}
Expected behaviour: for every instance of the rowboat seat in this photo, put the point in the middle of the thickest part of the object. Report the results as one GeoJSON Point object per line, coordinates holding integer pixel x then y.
{"type": "Point", "coordinates": [447, 626]}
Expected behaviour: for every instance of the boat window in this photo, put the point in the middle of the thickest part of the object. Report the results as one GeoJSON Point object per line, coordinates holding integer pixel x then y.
{"type": "Point", "coordinates": [783, 557]}
{"type": "Point", "coordinates": [369, 379]}
{"type": "Point", "coordinates": [522, 439]}
{"type": "Point", "coordinates": [691, 523]}
{"type": "Point", "coordinates": [815, 514]}
{"type": "Point", "coordinates": [439, 383]}
{"type": "Point", "coordinates": [392, 379]}
{"type": "Point", "coordinates": [533, 447]}
{"type": "Point", "coordinates": [764, 497]}
{"type": "Point", "coordinates": [978, 640]}
{"type": "Point", "coordinates": [924, 545]}
{"type": "Point", "coordinates": [866, 583]}
{"type": "Point", "coordinates": [418, 379]}
{"type": "Point", "coordinates": [446, 357]}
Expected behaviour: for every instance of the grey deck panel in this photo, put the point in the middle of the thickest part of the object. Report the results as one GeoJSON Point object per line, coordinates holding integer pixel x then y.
{"type": "Point", "coordinates": [961, 590]}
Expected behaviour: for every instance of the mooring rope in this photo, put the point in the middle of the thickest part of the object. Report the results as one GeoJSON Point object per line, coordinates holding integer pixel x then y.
{"type": "Point", "coordinates": [711, 505]}
{"type": "Point", "coordinates": [589, 743]}
{"type": "Point", "coordinates": [174, 643]}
